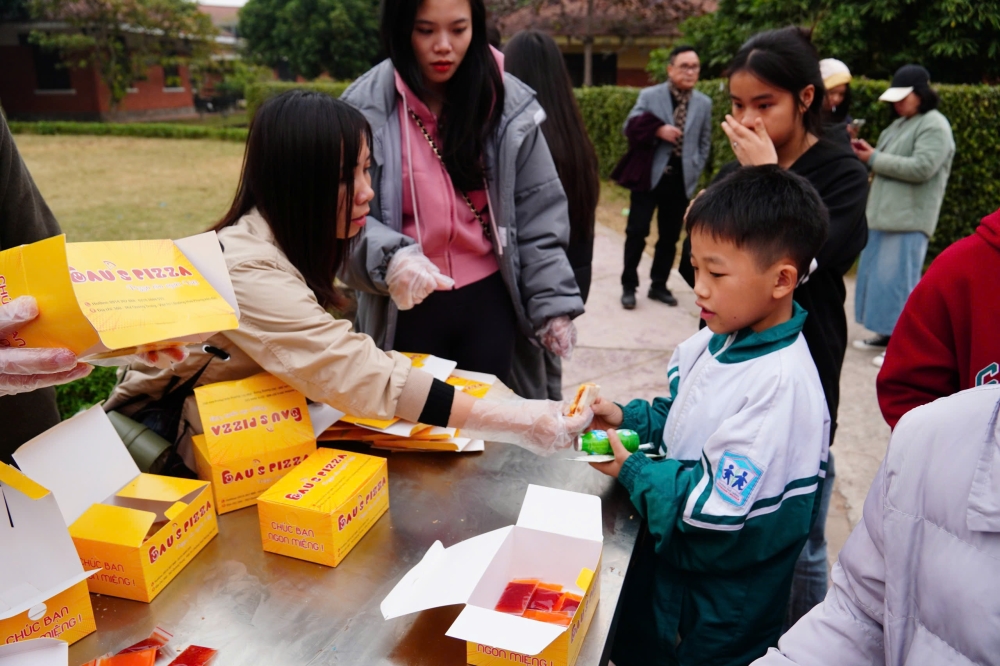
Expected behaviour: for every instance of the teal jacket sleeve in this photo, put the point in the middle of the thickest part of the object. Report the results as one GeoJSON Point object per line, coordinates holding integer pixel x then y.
{"type": "Point", "coordinates": [647, 418]}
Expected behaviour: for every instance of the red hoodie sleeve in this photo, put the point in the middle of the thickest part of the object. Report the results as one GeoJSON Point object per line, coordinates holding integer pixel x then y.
{"type": "Point", "coordinates": [921, 363]}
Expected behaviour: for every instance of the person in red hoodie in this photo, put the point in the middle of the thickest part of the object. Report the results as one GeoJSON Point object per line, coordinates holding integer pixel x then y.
{"type": "Point", "coordinates": [946, 339]}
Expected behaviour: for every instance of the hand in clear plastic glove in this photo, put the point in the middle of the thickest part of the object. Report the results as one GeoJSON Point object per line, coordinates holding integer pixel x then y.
{"type": "Point", "coordinates": [559, 336]}
{"type": "Point", "coordinates": [24, 369]}
{"type": "Point", "coordinates": [412, 277]}
{"type": "Point", "coordinates": [537, 425]}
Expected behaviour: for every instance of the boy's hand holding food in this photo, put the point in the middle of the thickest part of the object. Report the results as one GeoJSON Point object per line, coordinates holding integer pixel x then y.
{"type": "Point", "coordinates": [607, 415]}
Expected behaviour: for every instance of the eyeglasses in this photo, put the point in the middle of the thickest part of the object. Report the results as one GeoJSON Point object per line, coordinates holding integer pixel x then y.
{"type": "Point", "coordinates": [689, 68]}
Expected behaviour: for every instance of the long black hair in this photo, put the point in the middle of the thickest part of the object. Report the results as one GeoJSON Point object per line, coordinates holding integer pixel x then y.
{"type": "Point", "coordinates": [302, 147]}
{"type": "Point", "coordinates": [786, 59]}
{"type": "Point", "coordinates": [534, 58]}
{"type": "Point", "coordinates": [474, 96]}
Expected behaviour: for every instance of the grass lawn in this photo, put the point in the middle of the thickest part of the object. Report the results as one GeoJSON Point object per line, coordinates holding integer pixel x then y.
{"type": "Point", "coordinates": [113, 188]}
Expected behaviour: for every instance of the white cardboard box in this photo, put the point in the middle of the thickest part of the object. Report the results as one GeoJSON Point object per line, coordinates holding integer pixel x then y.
{"type": "Point", "coordinates": [43, 589]}
{"type": "Point", "coordinates": [558, 538]}
{"type": "Point", "coordinates": [38, 652]}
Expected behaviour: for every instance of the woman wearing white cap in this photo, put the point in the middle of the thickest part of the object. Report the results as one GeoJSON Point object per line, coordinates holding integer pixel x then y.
{"type": "Point", "coordinates": [837, 101]}
{"type": "Point", "coordinates": [911, 164]}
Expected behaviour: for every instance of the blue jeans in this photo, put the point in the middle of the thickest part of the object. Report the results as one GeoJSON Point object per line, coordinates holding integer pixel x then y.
{"type": "Point", "coordinates": [890, 268]}
{"type": "Point", "coordinates": [809, 582]}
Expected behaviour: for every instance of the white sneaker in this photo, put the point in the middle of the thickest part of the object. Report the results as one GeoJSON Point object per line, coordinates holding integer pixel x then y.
{"type": "Point", "coordinates": [879, 360]}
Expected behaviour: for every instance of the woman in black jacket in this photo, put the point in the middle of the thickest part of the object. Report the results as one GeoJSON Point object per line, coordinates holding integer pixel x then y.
{"type": "Point", "coordinates": [777, 108]}
{"type": "Point", "coordinates": [534, 58]}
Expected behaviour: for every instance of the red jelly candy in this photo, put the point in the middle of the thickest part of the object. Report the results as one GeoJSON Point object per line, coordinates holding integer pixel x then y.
{"type": "Point", "coordinates": [562, 619]}
{"type": "Point", "coordinates": [568, 603]}
{"type": "Point", "coordinates": [516, 596]}
{"type": "Point", "coordinates": [194, 656]}
{"type": "Point", "coordinates": [545, 598]}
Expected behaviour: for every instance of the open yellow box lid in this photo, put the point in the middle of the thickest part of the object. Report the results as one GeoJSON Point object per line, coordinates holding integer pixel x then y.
{"type": "Point", "coordinates": [100, 492]}
{"type": "Point", "coordinates": [37, 557]}
{"type": "Point", "coordinates": [558, 538]}
{"type": "Point", "coordinates": [108, 298]}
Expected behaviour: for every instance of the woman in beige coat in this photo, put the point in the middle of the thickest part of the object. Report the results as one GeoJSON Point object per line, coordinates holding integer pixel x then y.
{"type": "Point", "coordinates": [304, 192]}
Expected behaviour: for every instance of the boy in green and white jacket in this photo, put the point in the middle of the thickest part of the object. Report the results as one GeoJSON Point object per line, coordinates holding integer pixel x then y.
{"type": "Point", "coordinates": [745, 431]}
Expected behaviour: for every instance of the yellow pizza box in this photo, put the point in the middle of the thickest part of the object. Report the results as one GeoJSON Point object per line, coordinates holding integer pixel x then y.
{"type": "Point", "coordinates": [139, 530]}
{"type": "Point", "coordinates": [43, 586]}
{"type": "Point", "coordinates": [255, 430]}
{"type": "Point", "coordinates": [558, 539]}
{"type": "Point", "coordinates": [114, 298]}
{"type": "Point", "coordinates": [320, 510]}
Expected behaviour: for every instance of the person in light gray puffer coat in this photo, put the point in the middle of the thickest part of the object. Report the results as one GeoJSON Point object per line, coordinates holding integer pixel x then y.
{"type": "Point", "coordinates": [528, 205]}
{"type": "Point", "coordinates": [917, 581]}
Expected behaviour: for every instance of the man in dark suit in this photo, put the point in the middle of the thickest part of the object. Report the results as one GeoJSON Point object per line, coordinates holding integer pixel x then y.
{"type": "Point", "coordinates": [682, 141]}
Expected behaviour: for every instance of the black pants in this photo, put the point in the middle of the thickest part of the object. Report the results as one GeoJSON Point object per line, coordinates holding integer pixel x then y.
{"type": "Point", "coordinates": [669, 199]}
{"type": "Point", "coordinates": [474, 326]}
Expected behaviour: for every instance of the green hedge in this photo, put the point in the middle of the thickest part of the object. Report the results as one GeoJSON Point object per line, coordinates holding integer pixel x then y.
{"type": "Point", "coordinates": [973, 111]}
{"type": "Point", "coordinates": [83, 393]}
{"type": "Point", "coordinates": [144, 130]}
{"type": "Point", "coordinates": [257, 93]}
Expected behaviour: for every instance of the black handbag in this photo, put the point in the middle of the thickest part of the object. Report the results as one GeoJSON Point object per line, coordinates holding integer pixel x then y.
{"type": "Point", "coordinates": [162, 417]}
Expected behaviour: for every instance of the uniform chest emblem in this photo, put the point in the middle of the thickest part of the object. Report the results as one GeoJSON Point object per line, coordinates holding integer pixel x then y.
{"type": "Point", "coordinates": [736, 478]}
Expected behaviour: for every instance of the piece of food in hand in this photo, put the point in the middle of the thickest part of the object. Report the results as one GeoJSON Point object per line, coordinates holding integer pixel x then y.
{"type": "Point", "coordinates": [585, 396]}
{"type": "Point", "coordinates": [516, 596]}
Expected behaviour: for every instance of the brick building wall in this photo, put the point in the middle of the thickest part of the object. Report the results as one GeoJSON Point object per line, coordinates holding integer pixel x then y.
{"type": "Point", "coordinates": [86, 97]}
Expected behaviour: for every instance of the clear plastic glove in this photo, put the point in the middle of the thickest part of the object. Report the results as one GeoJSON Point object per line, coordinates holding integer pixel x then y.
{"type": "Point", "coordinates": [536, 425]}
{"type": "Point", "coordinates": [412, 277]}
{"type": "Point", "coordinates": [24, 369]}
{"type": "Point", "coordinates": [559, 336]}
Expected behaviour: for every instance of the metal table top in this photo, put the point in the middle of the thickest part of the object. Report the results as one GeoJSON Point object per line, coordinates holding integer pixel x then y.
{"type": "Point", "coordinates": [262, 608]}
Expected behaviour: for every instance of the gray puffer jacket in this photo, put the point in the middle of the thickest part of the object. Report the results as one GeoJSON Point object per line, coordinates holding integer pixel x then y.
{"type": "Point", "coordinates": [529, 208]}
{"type": "Point", "coordinates": [917, 583]}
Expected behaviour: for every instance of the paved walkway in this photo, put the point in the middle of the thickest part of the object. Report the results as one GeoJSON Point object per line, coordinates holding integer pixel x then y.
{"type": "Point", "coordinates": [627, 352]}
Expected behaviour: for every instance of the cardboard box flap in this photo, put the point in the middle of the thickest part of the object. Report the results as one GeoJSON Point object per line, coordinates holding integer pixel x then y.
{"type": "Point", "coordinates": [123, 526]}
{"type": "Point", "coordinates": [562, 512]}
{"type": "Point", "coordinates": [36, 652]}
{"type": "Point", "coordinates": [445, 576]}
{"type": "Point", "coordinates": [504, 631]}
{"type": "Point", "coordinates": [161, 489]}
{"type": "Point", "coordinates": [37, 557]}
{"type": "Point", "coordinates": [323, 416]}
{"type": "Point", "coordinates": [41, 270]}
{"type": "Point", "coordinates": [205, 252]}
{"type": "Point", "coordinates": [82, 461]}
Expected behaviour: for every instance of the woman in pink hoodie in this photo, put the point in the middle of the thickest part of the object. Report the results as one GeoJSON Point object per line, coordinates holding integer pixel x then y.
{"type": "Point", "coordinates": [466, 241]}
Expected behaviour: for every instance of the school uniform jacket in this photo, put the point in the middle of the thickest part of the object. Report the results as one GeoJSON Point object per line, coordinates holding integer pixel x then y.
{"type": "Point", "coordinates": [746, 433]}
